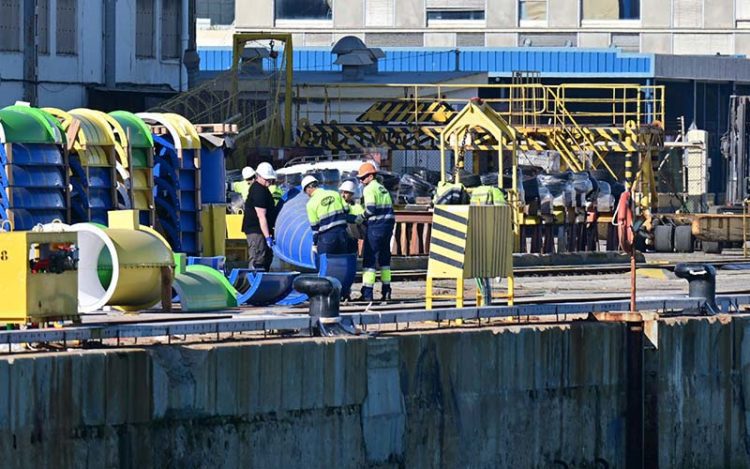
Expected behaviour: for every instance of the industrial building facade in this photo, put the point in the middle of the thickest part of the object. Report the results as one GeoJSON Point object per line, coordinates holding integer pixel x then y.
{"type": "Point", "coordinates": [70, 53]}
{"type": "Point", "coordinates": [654, 26]}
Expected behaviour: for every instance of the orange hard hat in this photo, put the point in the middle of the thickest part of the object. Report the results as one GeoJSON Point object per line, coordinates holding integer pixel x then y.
{"type": "Point", "coordinates": [366, 169]}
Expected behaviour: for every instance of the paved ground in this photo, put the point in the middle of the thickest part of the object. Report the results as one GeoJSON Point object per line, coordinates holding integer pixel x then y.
{"type": "Point", "coordinates": [651, 282]}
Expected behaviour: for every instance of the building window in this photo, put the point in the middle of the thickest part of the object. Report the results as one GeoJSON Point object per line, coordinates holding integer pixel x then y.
{"type": "Point", "coordinates": [304, 10]}
{"type": "Point", "coordinates": [144, 28]}
{"type": "Point", "coordinates": [218, 11]}
{"type": "Point", "coordinates": [10, 19]}
{"type": "Point", "coordinates": [42, 26]}
{"type": "Point", "coordinates": [455, 15]}
{"type": "Point", "coordinates": [611, 9]}
{"type": "Point", "coordinates": [170, 29]}
{"type": "Point", "coordinates": [67, 27]}
{"type": "Point", "coordinates": [532, 10]}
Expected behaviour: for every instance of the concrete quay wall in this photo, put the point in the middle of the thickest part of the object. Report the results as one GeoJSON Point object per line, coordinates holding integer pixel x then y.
{"type": "Point", "coordinates": [578, 395]}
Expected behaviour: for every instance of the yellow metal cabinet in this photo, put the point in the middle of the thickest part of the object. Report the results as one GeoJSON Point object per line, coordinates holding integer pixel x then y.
{"type": "Point", "coordinates": [35, 285]}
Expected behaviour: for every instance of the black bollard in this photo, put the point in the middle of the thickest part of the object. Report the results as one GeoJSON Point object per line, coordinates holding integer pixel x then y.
{"type": "Point", "coordinates": [325, 295]}
{"type": "Point", "coordinates": [701, 283]}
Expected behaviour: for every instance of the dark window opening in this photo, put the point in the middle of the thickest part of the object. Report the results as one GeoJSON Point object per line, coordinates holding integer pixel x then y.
{"type": "Point", "coordinates": [455, 15]}
{"type": "Point", "coordinates": [144, 28]}
{"type": "Point", "coordinates": [67, 27]}
{"type": "Point", "coordinates": [170, 29]}
{"type": "Point", "coordinates": [10, 20]}
{"type": "Point", "coordinates": [303, 10]}
{"type": "Point", "coordinates": [42, 26]}
{"type": "Point", "coordinates": [611, 9]}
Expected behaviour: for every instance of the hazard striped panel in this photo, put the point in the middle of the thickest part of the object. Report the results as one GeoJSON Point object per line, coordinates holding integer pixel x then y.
{"type": "Point", "coordinates": [614, 138]}
{"type": "Point", "coordinates": [489, 247]}
{"type": "Point", "coordinates": [448, 241]}
{"type": "Point", "coordinates": [384, 112]}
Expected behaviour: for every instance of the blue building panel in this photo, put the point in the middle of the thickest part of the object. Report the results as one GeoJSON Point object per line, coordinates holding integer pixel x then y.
{"type": "Point", "coordinates": [550, 62]}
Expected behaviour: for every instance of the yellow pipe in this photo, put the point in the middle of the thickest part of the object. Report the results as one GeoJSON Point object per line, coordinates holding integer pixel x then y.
{"type": "Point", "coordinates": [118, 267]}
{"type": "Point", "coordinates": [141, 257]}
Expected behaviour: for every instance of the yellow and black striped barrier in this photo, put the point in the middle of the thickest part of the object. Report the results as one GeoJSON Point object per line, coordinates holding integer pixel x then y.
{"type": "Point", "coordinates": [427, 112]}
{"type": "Point", "coordinates": [470, 242]}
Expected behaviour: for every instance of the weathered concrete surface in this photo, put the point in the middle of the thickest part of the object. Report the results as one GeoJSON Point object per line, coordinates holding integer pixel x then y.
{"type": "Point", "coordinates": [701, 377]}
{"type": "Point", "coordinates": [532, 396]}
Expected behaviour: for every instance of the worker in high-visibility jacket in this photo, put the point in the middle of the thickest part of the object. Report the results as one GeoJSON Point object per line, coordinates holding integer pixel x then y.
{"type": "Point", "coordinates": [347, 189]}
{"type": "Point", "coordinates": [243, 187]}
{"type": "Point", "coordinates": [276, 192]}
{"type": "Point", "coordinates": [328, 215]}
{"type": "Point", "coordinates": [487, 195]}
{"type": "Point", "coordinates": [450, 193]}
{"type": "Point", "coordinates": [380, 221]}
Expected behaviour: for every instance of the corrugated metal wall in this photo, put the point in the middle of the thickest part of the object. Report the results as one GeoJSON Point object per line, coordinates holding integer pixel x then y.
{"type": "Point", "coordinates": [551, 61]}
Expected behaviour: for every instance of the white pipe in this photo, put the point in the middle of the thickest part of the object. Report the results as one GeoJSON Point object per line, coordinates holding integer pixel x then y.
{"type": "Point", "coordinates": [92, 296]}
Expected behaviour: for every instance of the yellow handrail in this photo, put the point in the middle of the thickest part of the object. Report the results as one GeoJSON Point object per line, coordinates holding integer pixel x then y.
{"type": "Point", "coordinates": [561, 106]}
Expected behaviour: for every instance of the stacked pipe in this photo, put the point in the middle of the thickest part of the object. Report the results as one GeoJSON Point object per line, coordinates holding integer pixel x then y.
{"type": "Point", "coordinates": [136, 155]}
{"type": "Point", "coordinates": [93, 163]}
{"type": "Point", "coordinates": [76, 166]}
{"type": "Point", "coordinates": [32, 168]}
{"type": "Point", "coordinates": [213, 192]}
{"type": "Point", "coordinates": [177, 180]}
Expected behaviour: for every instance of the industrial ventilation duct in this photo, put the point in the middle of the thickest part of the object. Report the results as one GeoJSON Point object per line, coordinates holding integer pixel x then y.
{"type": "Point", "coordinates": [355, 58]}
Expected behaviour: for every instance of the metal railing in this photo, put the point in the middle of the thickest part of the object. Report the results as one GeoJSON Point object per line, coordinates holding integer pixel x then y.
{"type": "Point", "coordinates": [524, 105]}
{"type": "Point", "coordinates": [224, 328]}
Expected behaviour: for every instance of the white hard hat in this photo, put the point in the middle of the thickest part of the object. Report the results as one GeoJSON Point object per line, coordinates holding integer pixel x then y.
{"type": "Point", "coordinates": [307, 180]}
{"type": "Point", "coordinates": [248, 173]}
{"type": "Point", "coordinates": [348, 186]}
{"type": "Point", "coordinates": [265, 170]}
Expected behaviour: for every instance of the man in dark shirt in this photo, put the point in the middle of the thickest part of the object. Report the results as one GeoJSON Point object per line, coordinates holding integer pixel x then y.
{"type": "Point", "coordinates": [260, 216]}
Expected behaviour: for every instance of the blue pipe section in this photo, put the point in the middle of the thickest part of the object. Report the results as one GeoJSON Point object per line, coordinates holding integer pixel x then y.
{"type": "Point", "coordinates": [32, 187]}
{"type": "Point", "coordinates": [293, 234]}
{"type": "Point", "coordinates": [79, 200]}
{"type": "Point", "coordinates": [176, 195]}
{"type": "Point", "coordinates": [215, 262]}
{"type": "Point", "coordinates": [341, 266]}
{"type": "Point", "coordinates": [28, 154]}
{"type": "Point", "coordinates": [213, 176]}
{"type": "Point", "coordinates": [261, 288]}
{"type": "Point", "coordinates": [294, 246]}
{"type": "Point", "coordinates": [44, 176]}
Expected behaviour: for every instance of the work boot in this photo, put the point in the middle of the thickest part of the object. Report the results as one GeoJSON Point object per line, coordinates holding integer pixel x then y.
{"type": "Point", "coordinates": [386, 292]}
{"type": "Point", "coordinates": [366, 294]}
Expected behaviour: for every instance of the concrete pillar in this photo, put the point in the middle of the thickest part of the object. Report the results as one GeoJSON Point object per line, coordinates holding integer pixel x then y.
{"type": "Point", "coordinates": [410, 14]}
{"type": "Point", "coordinates": [656, 43]}
{"type": "Point", "coordinates": [251, 16]}
{"type": "Point", "coordinates": [30, 56]}
{"type": "Point", "coordinates": [502, 13]}
{"type": "Point", "coordinates": [656, 14]}
{"type": "Point", "coordinates": [349, 14]}
{"type": "Point", "coordinates": [718, 14]}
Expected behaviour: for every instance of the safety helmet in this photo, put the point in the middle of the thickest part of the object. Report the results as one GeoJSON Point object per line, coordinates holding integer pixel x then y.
{"type": "Point", "coordinates": [248, 173]}
{"type": "Point", "coordinates": [265, 170]}
{"type": "Point", "coordinates": [348, 186]}
{"type": "Point", "coordinates": [366, 169]}
{"type": "Point", "coordinates": [307, 180]}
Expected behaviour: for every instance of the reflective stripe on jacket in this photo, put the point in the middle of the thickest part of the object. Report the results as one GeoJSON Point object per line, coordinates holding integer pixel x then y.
{"type": "Point", "coordinates": [378, 204]}
{"type": "Point", "coordinates": [325, 210]}
{"type": "Point", "coordinates": [487, 195]}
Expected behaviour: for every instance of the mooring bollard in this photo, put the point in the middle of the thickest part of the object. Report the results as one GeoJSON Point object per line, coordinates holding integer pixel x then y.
{"type": "Point", "coordinates": [325, 297]}
{"type": "Point", "coordinates": [701, 283]}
